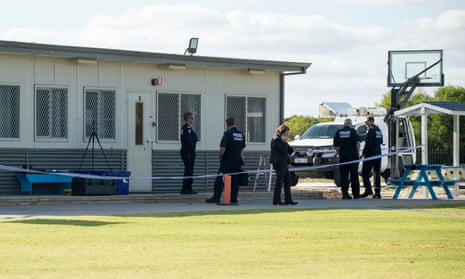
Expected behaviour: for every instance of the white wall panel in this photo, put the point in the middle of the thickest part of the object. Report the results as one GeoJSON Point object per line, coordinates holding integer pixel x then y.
{"type": "Point", "coordinates": [13, 68]}
{"type": "Point", "coordinates": [44, 70]}
{"type": "Point", "coordinates": [87, 75]}
{"type": "Point", "coordinates": [137, 76]}
{"type": "Point", "coordinates": [65, 72]}
{"type": "Point", "coordinates": [212, 84]}
{"type": "Point", "coordinates": [109, 74]}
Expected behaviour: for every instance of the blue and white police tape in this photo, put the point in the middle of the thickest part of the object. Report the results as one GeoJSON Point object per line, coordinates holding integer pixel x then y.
{"type": "Point", "coordinates": [258, 171]}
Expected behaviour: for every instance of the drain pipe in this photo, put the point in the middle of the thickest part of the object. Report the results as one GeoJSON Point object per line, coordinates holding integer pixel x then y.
{"type": "Point", "coordinates": [281, 91]}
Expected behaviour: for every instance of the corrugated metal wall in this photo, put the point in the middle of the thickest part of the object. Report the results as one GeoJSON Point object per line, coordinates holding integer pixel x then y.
{"type": "Point", "coordinates": [168, 163]}
{"type": "Point", "coordinates": [54, 159]}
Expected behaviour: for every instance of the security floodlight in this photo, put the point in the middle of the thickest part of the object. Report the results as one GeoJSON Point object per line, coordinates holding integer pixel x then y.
{"type": "Point", "coordinates": [193, 42]}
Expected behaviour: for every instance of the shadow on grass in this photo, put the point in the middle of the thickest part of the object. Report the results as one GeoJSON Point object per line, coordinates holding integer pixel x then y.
{"type": "Point", "coordinates": [234, 212]}
{"type": "Point", "coordinates": [437, 206]}
{"type": "Point", "coordinates": [460, 206]}
{"type": "Point", "coordinates": [64, 222]}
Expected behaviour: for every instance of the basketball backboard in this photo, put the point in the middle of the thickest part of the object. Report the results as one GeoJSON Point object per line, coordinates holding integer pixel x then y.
{"type": "Point", "coordinates": [406, 64]}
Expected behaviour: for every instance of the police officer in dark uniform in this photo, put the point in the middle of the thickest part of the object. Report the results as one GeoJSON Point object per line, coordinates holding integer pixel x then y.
{"type": "Point", "coordinates": [279, 158]}
{"type": "Point", "coordinates": [347, 143]}
{"type": "Point", "coordinates": [231, 151]}
{"type": "Point", "coordinates": [372, 148]}
{"type": "Point", "coordinates": [188, 142]}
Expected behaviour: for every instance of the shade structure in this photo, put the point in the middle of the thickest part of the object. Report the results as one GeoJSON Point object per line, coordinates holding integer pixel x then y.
{"type": "Point", "coordinates": [455, 109]}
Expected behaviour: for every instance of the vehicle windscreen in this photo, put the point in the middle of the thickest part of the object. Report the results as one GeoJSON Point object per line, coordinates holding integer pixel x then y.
{"type": "Point", "coordinates": [321, 132]}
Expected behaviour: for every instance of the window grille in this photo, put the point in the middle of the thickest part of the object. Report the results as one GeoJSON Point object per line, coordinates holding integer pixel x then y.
{"type": "Point", "coordinates": [100, 113]}
{"type": "Point", "coordinates": [171, 107]}
{"type": "Point", "coordinates": [249, 116]}
{"type": "Point", "coordinates": [191, 103]}
{"type": "Point", "coordinates": [51, 112]}
{"type": "Point", "coordinates": [256, 128]}
{"type": "Point", "coordinates": [236, 108]}
{"type": "Point", "coordinates": [9, 111]}
{"type": "Point", "coordinates": [168, 116]}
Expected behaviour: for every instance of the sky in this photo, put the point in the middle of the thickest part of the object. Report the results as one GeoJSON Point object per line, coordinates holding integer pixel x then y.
{"type": "Point", "coordinates": [347, 41]}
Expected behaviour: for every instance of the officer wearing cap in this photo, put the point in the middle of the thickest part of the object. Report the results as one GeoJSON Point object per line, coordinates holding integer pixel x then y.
{"type": "Point", "coordinates": [347, 143]}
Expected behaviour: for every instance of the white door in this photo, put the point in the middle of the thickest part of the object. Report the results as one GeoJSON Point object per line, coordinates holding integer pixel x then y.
{"type": "Point", "coordinates": [140, 139]}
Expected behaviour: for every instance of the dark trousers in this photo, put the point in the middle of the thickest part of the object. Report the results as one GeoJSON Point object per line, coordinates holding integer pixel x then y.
{"type": "Point", "coordinates": [188, 159]}
{"type": "Point", "coordinates": [350, 170]}
{"type": "Point", "coordinates": [283, 178]}
{"type": "Point", "coordinates": [219, 186]}
{"type": "Point", "coordinates": [374, 165]}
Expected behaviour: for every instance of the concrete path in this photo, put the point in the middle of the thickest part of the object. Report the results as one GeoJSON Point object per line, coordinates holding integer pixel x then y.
{"type": "Point", "coordinates": [131, 208]}
{"type": "Point", "coordinates": [309, 196]}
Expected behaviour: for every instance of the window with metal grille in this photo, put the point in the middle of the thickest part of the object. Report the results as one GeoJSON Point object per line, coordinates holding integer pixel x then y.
{"type": "Point", "coordinates": [100, 113]}
{"type": "Point", "coordinates": [171, 107]}
{"type": "Point", "coordinates": [51, 113]}
{"type": "Point", "coordinates": [9, 111]}
{"type": "Point", "coordinates": [249, 116]}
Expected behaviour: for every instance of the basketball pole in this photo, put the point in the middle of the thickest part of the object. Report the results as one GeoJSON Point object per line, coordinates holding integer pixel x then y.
{"type": "Point", "coordinates": [400, 95]}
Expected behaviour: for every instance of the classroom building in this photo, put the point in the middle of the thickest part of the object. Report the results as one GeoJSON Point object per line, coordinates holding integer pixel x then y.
{"type": "Point", "coordinates": [69, 108]}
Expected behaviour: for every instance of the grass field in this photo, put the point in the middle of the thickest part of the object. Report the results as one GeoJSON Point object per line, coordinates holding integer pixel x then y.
{"type": "Point", "coordinates": [278, 243]}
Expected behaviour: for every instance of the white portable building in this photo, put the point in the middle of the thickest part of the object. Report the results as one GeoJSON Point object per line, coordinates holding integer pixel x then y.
{"type": "Point", "coordinates": [70, 108]}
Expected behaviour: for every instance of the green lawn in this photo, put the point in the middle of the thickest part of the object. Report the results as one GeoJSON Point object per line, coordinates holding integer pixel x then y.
{"type": "Point", "coordinates": [280, 243]}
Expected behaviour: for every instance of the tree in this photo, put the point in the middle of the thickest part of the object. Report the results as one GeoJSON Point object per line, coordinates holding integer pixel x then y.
{"type": "Point", "coordinates": [439, 125]}
{"type": "Point", "coordinates": [298, 124]}
{"type": "Point", "coordinates": [417, 98]}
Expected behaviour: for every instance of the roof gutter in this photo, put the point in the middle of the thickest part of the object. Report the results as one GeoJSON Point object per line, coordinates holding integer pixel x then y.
{"type": "Point", "coordinates": [88, 53]}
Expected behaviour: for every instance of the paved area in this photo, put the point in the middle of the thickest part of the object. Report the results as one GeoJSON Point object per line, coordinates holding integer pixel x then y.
{"type": "Point", "coordinates": [309, 196]}
{"type": "Point", "coordinates": [131, 208]}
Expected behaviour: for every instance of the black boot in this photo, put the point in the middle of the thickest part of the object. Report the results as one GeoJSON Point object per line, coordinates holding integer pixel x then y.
{"type": "Point", "coordinates": [346, 196]}
{"type": "Point", "coordinates": [377, 194]}
{"type": "Point", "coordinates": [212, 200]}
{"type": "Point", "coordinates": [368, 192]}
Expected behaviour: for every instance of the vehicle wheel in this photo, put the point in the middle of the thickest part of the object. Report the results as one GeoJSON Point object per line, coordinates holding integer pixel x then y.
{"type": "Point", "coordinates": [337, 178]}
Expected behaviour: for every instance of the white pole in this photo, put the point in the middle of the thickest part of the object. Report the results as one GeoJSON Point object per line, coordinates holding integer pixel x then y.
{"type": "Point", "coordinates": [456, 140]}
{"type": "Point", "coordinates": [424, 136]}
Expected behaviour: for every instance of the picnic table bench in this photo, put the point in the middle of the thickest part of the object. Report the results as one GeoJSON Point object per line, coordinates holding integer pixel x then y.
{"type": "Point", "coordinates": [423, 179]}
{"type": "Point", "coordinates": [26, 181]}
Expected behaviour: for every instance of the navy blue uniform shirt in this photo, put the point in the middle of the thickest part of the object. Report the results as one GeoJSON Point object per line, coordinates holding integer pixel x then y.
{"type": "Point", "coordinates": [233, 141]}
{"type": "Point", "coordinates": [188, 139]}
{"type": "Point", "coordinates": [346, 139]}
{"type": "Point", "coordinates": [373, 142]}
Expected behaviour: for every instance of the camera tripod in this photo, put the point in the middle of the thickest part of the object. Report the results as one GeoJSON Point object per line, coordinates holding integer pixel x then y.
{"type": "Point", "coordinates": [93, 137]}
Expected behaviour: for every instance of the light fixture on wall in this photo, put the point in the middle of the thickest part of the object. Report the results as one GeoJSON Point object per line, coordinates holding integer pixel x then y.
{"type": "Point", "coordinates": [176, 66]}
{"type": "Point", "coordinates": [192, 48]}
{"type": "Point", "coordinates": [256, 71]}
{"type": "Point", "coordinates": [86, 61]}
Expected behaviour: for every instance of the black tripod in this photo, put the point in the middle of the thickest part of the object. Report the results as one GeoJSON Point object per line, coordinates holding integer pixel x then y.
{"type": "Point", "coordinates": [92, 139]}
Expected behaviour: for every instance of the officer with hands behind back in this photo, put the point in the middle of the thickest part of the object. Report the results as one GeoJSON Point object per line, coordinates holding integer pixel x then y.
{"type": "Point", "coordinates": [231, 160]}
{"type": "Point", "coordinates": [347, 143]}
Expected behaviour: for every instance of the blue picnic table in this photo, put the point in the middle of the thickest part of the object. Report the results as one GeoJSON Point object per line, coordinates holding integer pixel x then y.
{"type": "Point", "coordinates": [423, 180]}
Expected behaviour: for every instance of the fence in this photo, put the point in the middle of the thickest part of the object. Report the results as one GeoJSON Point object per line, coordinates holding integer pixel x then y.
{"type": "Point", "coordinates": [441, 156]}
